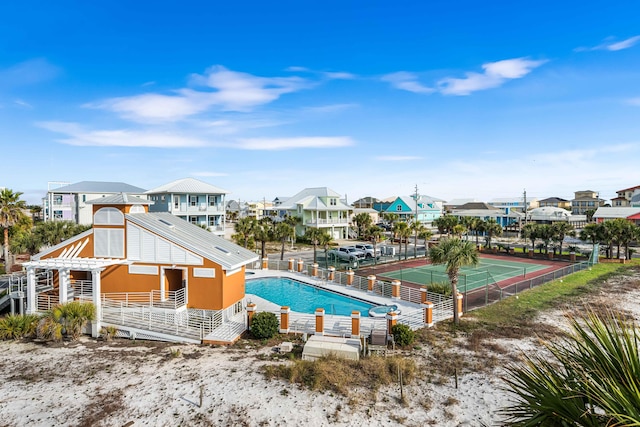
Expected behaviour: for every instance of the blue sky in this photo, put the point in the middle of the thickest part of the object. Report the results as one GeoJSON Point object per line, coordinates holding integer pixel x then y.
{"type": "Point", "coordinates": [369, 98]}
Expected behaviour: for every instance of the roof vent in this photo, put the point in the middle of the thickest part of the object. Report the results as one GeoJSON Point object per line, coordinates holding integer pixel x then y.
{"type": "Point", "coordinates": [222, 249]}
{"type": "Point", "coordinates": [167, 223]}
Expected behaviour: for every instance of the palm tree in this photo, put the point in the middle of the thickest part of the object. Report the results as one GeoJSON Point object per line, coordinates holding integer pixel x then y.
{"type": "Point", "coordinates": [314, 235]}
{"type": "Point", "coordinates": [283, 231]}
{"type": "Point", "coordinates": [10, 214]}
{"type": "Point", "coordinates": [244, 231]}
{"type": "Point", "coordinates": [263, 233]}
{"type": "Point", "coordinates": [426, 235]}
{"type": "Point", "coordinates": [491, 228]}
{"type": "Point", "coordinates": [362, 221]}
{"type": "Point", "coordinates": [545, 233]}
{"type": "Point", "coordinates": [293, 221]}
{"type": "Point", "coordinates": [402, 230]}
{"type": "Point", "coordinates": [325, 239]}
{"type": "Point", "coordinates": [417, 228]}
{"type": "Point", "coordinates": [591, 233]}
{"type": "Point", "coordinates": [455, 254]}
{"type": "Point", "coordinates": [530, 231]}
{"type": "Point", "coordinates": [375, 234]}
{"type": "Point", "coordinates": [560, 230]}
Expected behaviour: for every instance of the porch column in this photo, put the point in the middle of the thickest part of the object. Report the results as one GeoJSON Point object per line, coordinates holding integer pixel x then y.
{"type": "Point", "coordinates": [97, 302]}
{"type": "Point", "coordinates": [63, 285]}
{"type": "Point", "coordinates": [31, 290]}
{"type": "Point", "coordinates": [284, 320]}
{"type": "Point", "coordinates": [395, 289]}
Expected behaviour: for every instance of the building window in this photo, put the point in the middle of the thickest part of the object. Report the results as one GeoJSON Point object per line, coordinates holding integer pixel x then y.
{"type": "Point", "coordinates": [108, 242]}
{"type": "Point", "coordinates": [84, 197]}
{"type": "Point", "coordinates": [212, 221]}
{"type": "Point", "coordinates": [399, 208]}
{"type": "Point", "coordinates": [332, 202]}
{"type": "Point", "coordinates": [193, 200]}
{"type": "Point", "coordinates": [57, 199]}
{"type": "Point", "coordinates": [57, 214]}
{"type": "Point", "coordinates": [176, 202]}
{"type": "Point", "coordinates": [213, 200]}
{"type": "Point", "coordinates": [193, 219]}
{"type": "Point", "coordinates": [108, 216]}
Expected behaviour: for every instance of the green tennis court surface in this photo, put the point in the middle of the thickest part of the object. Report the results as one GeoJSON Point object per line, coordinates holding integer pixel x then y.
{"type": "Point", "coordinates": [487, 272]}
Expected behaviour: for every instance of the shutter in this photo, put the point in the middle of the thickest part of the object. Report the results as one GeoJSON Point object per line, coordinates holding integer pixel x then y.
{"type": "Point", "coordinates": [116, 243]}
{"type": "Point", "coordinates": [133, 242]}
{"type": "Point", "coordinates": [101, 243]}
{"type": "Point", "coordinates": [148, 247]}
{"type": "Point", "coordinates": [164, 251]}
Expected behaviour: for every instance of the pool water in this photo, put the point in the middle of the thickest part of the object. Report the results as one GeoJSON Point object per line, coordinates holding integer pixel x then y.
{"type": "Point", "coordinates": [304, 298]}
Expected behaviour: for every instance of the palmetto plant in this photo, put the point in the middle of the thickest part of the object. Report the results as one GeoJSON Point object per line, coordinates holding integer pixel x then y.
{"type": "Point", "coordinates": [73, 316]}
{"type": "Point", "coordinates": [591, 379]}
{"type": "Point", "coordinates": [18, 326]}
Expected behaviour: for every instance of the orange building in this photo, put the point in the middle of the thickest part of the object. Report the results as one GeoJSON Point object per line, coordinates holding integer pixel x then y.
{"type": "Point", "coordinates": [150, 275]}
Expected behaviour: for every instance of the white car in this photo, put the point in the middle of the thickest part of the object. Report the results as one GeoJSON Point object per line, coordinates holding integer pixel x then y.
{"type": "Point", "coordinates": [369, 251]}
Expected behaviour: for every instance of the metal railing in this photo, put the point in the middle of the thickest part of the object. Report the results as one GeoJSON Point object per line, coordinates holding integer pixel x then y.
{"type": "Point", "coordinates": [190, 323]}
{"type": "Point", "coordinates": [155, 298]}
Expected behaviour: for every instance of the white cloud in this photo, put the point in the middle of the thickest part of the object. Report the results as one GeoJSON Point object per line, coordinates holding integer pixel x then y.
{"type": "Point", "coordinates": [339, 75]}
{"type": "Point", "coordinates": [77, 135]}
{"type": "Point", "coordinates": [333, 108]}
{"type": "Point", "coordinates": [397, 158]}
{"type": "Point", "coordinates": [611, 45]}
{"type": "Point", "coordinates": [634, 101]}
{"type": "Point", "coordinates": [297, 69]}
{"type": "Point", "coordinates": [624, 44]}
{"type": "Point", "coordinates": [22, 103]}
{"type": "Point", "coordinates": [219, 87]}
{"type": "Point", "coordinates": [406, 81]}
{"type": "Point", "coordinates": [291, 143]}
{"type": "Point", "coordinates": [28, 72]}
{"type": "Point", "coordinates": [495, 74]}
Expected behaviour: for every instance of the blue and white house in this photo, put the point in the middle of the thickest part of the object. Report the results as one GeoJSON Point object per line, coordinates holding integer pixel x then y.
{"type": "Point", "coordinates": [423, 208]}
{"type": "Point", "coordinates": [193, 200]}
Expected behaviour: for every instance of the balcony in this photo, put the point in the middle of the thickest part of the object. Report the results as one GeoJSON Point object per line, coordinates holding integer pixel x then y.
{"type": "Point", "coordinates": [330, 221]}
{"type": "Point", "coordinates": [203, 208]}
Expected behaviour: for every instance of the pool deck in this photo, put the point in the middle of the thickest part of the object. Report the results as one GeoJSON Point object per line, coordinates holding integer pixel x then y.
{"type": "Point", "coordinates": [334, 325]}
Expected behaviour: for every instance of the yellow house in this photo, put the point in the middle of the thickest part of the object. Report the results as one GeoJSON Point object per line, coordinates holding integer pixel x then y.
{"type": "Point", "coordinates": [150, 275]}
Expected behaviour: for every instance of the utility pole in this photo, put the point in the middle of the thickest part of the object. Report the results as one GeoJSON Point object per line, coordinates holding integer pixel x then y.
{"type": "Point", "coordinates": [525, 206]}
{"type": "Point", "coordinates": [416, 199]}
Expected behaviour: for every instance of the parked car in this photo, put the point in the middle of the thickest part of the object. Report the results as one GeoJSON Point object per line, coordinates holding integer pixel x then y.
{"type": "Point", "coordinates": [385, 226]}
{"type": "Point", "coordinates": [346, 253]}
{"type": "Point", "coordinates": [369, 251]}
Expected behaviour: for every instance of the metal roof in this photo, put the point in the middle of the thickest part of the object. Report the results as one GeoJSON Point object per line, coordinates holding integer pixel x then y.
{"type": "Point", "coordinates": [120, 199]}
{"type": "Point", "coordinates": [188, 185]}
{"type": "Point", "coordinates": [311, 198]}
{"type": "Point", "coordinates": [616, 212]}
{"type": "Point", "coordinates": [198, 240]}
{"type": "Point", "coordinates": [99, 187]}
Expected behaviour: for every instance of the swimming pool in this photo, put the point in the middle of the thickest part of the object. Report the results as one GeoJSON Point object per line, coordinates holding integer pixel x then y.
{"type": "Point", "coordinates": [304, 298]}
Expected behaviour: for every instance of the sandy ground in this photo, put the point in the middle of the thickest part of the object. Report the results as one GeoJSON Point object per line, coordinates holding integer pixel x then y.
{"type": "Point", "coordinates": [136, 383]}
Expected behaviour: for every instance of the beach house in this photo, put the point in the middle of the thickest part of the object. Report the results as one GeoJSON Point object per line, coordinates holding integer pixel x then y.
{"type": "Point", "coordinates": [151, 275]}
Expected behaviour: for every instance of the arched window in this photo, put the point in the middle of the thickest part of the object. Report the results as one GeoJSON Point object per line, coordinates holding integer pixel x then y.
{"type": "Point", "coordinates": [108, 216]}
{"type": "Point", "coordinates": [136, 209]}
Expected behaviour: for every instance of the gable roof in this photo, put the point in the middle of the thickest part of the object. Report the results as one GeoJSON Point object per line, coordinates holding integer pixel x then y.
{"type": "Point", "coordinates": [99, 187]}
{"type": "Point", "coordinates": [198, 240]}
{"type": "Point", "coordinates": [477, 206]}
{"type": "Point", "coordinates": [120, 199]}
{"type": "Point", "coordinates": [627, 189]}
{"type": "Point", "coordinates": [552, 200]}
{"type": "Point", "coordinates": [616, 212]}
{"type": "Point", "coordinates": [312, 198]}
{"type": "Point", "coordinates": [188, 185]}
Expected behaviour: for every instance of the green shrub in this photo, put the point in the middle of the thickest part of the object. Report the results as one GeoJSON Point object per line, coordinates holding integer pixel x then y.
{"type": "Point", "coordinates": [264, 325]}
{"type": "Point", "coordinates": [48, 329]}
{"type": "Point", "coordinates": [403, 335]}
{"type": "Point", "coordinates": [73, 316]}
{"type": "Point", "coordinates": [442, 288]}
{"type": "Point", "coordinates": [17, 326]}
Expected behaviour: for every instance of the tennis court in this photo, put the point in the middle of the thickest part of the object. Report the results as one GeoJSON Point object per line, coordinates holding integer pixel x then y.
{"type": "Point", "coordinates": [488, 271]}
